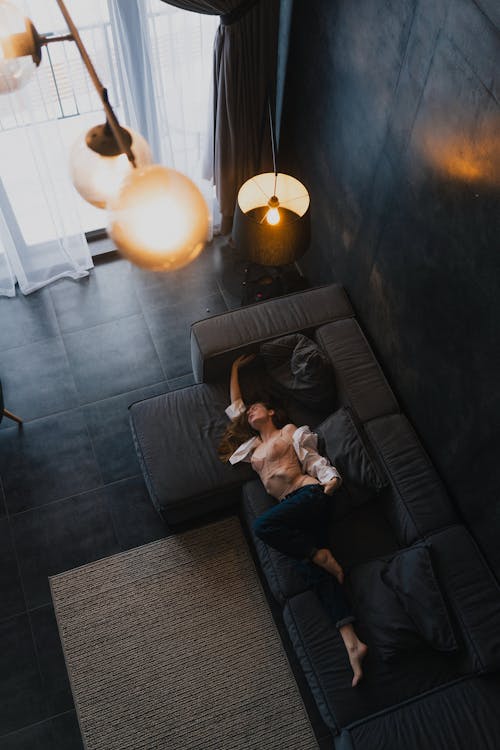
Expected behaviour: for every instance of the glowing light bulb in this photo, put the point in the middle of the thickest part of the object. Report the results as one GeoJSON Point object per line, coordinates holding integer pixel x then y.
{"type": "Point", "coordinates": [98, 177]}
{"type": "Point", "coordinates": [159, 220]}
{"type": "Point", "coordinates": [17, 48]}
{"type": "Point", "coordinates": [273, 216]}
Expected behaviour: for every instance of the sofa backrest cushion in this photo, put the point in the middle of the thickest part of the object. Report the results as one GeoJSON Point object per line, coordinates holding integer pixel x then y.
{"type": "Point", "coordinates": [471, 590]}
{"type": "Point", "coordinates": [217, 341]}
{"type": "Point", "coordinates": [361, 384]}
{"type": "Point", "coordinates": [418, 502]}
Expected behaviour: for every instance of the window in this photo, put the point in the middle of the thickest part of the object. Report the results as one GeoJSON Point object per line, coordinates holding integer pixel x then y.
{"type": "Point", "coordinates": [63, 103]}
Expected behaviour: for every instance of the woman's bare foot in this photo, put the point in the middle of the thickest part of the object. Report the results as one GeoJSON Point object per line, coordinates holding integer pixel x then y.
{"type": "Point", "coordinates": [356, 655]}
{"type": "Point", "coordinates": [356, 651]}
{"type": "Point", "coordinates": [324, 558]}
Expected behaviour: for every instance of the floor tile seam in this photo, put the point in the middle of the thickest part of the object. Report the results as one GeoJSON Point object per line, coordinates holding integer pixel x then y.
{"type": "Point", "coordinates": [83, 405]}
{"type": "Point", "coordinates": [32, 343]}
{"type": "Point", "coordinates": [4, 499]}
{"type": "Point", "coordinates": [176, 305]}
{"type": "Point", "coordinates": [123, 393]}
{"type": "Point", "coordinates": [68, 363]}
{"type": "Point", "coordinates": [17, 559]}
{"type": "Point", "coordinates": [109, 512]}
{"type": "Point", "coordinates": [37, 723]}
{"type": "Point", "coordinates": [39, 665]}
{"type": "Point", "coordinates": [93, 449]}
{"type": "Point", "coordinates": [74, 496]}
{"type": "Point", "coordinates": [69, 368]}
{"type": "Point", "coordinates": [45, 701]}
{"type": "Point", "coordinates": [119, 317]}
{"type": "Point", "coordinates": [154, 347]}
{"type": "Point", "coordinates": [38, 340]}
{"type": "Point", "coordinates": [114, 319]}
{"type": "Point", "coordinates": [26, 611]}
{"type": "Point", "coordinates": [138, 314]}
{"type": "Point", "coordinates": [178, 377]}
{"type": "Point", "coordinates": [27, 421]}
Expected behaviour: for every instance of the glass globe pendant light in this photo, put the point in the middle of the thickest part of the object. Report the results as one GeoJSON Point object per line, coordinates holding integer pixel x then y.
{"type": "Point", "coordinates": [19, 48]}
{"type": "Point", "coordinates": [158, 217]}
{"type": "Point", "coordinates": [98, 167]}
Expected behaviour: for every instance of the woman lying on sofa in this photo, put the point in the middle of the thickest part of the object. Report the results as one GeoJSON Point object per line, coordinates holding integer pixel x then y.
{"type": "Point", "coordinates": [292, 471]}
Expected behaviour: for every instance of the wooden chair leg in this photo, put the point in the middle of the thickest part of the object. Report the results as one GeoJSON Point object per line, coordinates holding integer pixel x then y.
{"type": "Point", "coordinates": [12, 416]}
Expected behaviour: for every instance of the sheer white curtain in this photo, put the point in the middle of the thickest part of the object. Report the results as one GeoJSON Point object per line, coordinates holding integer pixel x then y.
{"type": "Point", "coordinates": [165, 69]}
{"type": "Point", "coordinates": [41, 233]}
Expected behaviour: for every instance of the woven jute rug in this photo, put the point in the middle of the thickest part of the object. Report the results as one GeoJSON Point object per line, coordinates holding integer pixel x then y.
{"type": "Point", "coordinates": [172, 646]}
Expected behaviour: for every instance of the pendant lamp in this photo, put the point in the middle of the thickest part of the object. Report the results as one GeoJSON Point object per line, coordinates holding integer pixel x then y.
{"type": "Point", "coordinates": [271, 224]}
{"type": "Point", "coordinates": [159, 218]}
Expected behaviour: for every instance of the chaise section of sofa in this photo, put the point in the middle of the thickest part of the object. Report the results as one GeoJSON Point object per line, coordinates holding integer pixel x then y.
{"type": "Point", "coordinates": [176, 436]}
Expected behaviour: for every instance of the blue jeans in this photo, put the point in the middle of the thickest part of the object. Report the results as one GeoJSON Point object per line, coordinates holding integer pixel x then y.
{"type": "Point", "coordinates": [297, 527]}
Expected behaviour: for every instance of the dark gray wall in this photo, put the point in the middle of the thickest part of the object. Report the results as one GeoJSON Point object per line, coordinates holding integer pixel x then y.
{"type": "Point", "coordinates": [392, 120]}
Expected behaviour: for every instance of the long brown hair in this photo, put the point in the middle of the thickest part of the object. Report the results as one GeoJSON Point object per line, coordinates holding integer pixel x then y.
{"type": "Point", "coordinates": [239, 431]}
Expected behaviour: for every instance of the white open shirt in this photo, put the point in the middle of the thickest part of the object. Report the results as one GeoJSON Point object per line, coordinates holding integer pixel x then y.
{"type": "Point", "coordinates": [305, 444]}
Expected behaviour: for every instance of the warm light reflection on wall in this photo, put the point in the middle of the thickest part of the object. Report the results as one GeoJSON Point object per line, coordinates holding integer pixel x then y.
{"type": "Point", "coordinates": [461, 158]}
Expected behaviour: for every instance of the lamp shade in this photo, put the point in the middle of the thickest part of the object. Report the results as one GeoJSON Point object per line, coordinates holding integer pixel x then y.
{"type": "Point", "coordinates": [272, 220]}
{"type": "Point", "coordinates": [18, 48]}
{"type": "Point", "coordinates": [159, 220]}
{"type": "Point", "coordinates": [97, 176]}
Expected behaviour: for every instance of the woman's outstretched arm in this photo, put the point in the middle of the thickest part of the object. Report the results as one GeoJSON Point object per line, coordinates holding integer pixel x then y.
{"type": "Point", "coordinates": [234, 383]}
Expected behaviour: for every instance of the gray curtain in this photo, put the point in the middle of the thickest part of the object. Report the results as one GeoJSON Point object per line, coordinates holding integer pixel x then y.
{"type": "Point", "coordinates": [245, 57]}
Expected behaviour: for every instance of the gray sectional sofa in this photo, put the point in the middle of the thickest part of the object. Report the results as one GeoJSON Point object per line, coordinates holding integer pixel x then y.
{"type": "Point", "coordinates": [426, 601]}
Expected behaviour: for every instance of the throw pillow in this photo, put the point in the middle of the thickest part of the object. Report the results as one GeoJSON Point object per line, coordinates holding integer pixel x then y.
{"type": "Point", "coordinates": [411, 577]}
{"type": "Point", "coordinates": [400, 602]}
{"type": "Point", "coordinates": [300, 369]}
{"type": "Point", "coordinates": [343, 441]}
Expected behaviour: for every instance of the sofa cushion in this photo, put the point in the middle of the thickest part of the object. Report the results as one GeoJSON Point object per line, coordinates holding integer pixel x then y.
{"type": "Point", "coordinates": [281, 572]}
{"type": "Point", "coordinates": [400, 601]}
{"type": "Point", "coordinates": [297, 366]}
{"type": "Point", "coordinates": [471, 591]}
{"type": "Point", "coordinates": [362, 533]}
{"type": "Point", "coordinates": [325, 664]}
{"type": "Point", "coordinates": [176, 437]}
{"type": "Point", "coordinates": [342, 439]}
{"type": "Point", "coordinates": [418, 502]}
{"type": "Point", "coordinates": [461, 716]}
{"type": "Point", "coordinates": [361, 384]}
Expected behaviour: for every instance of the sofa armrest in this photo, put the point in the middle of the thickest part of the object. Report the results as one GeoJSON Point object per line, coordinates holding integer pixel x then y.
{"type": "Point", "coordinates": [216, 341]}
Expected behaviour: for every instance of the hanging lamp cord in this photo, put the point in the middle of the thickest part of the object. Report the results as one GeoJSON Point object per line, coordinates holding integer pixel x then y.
{"type": "Point", "coordinates": [273, 143]}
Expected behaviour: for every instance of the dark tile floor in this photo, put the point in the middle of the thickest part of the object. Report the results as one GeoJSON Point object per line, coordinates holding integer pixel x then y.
{"type": "Point", "coordinates": [74, 356]}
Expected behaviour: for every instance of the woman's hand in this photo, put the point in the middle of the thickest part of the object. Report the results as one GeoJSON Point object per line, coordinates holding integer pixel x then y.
{"type": "Point", "coordinates": [243, 360]}
{"type": "Point", "coordinates": [330, 487]}
{"type": "Point", "coordinates": [234, 384]}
